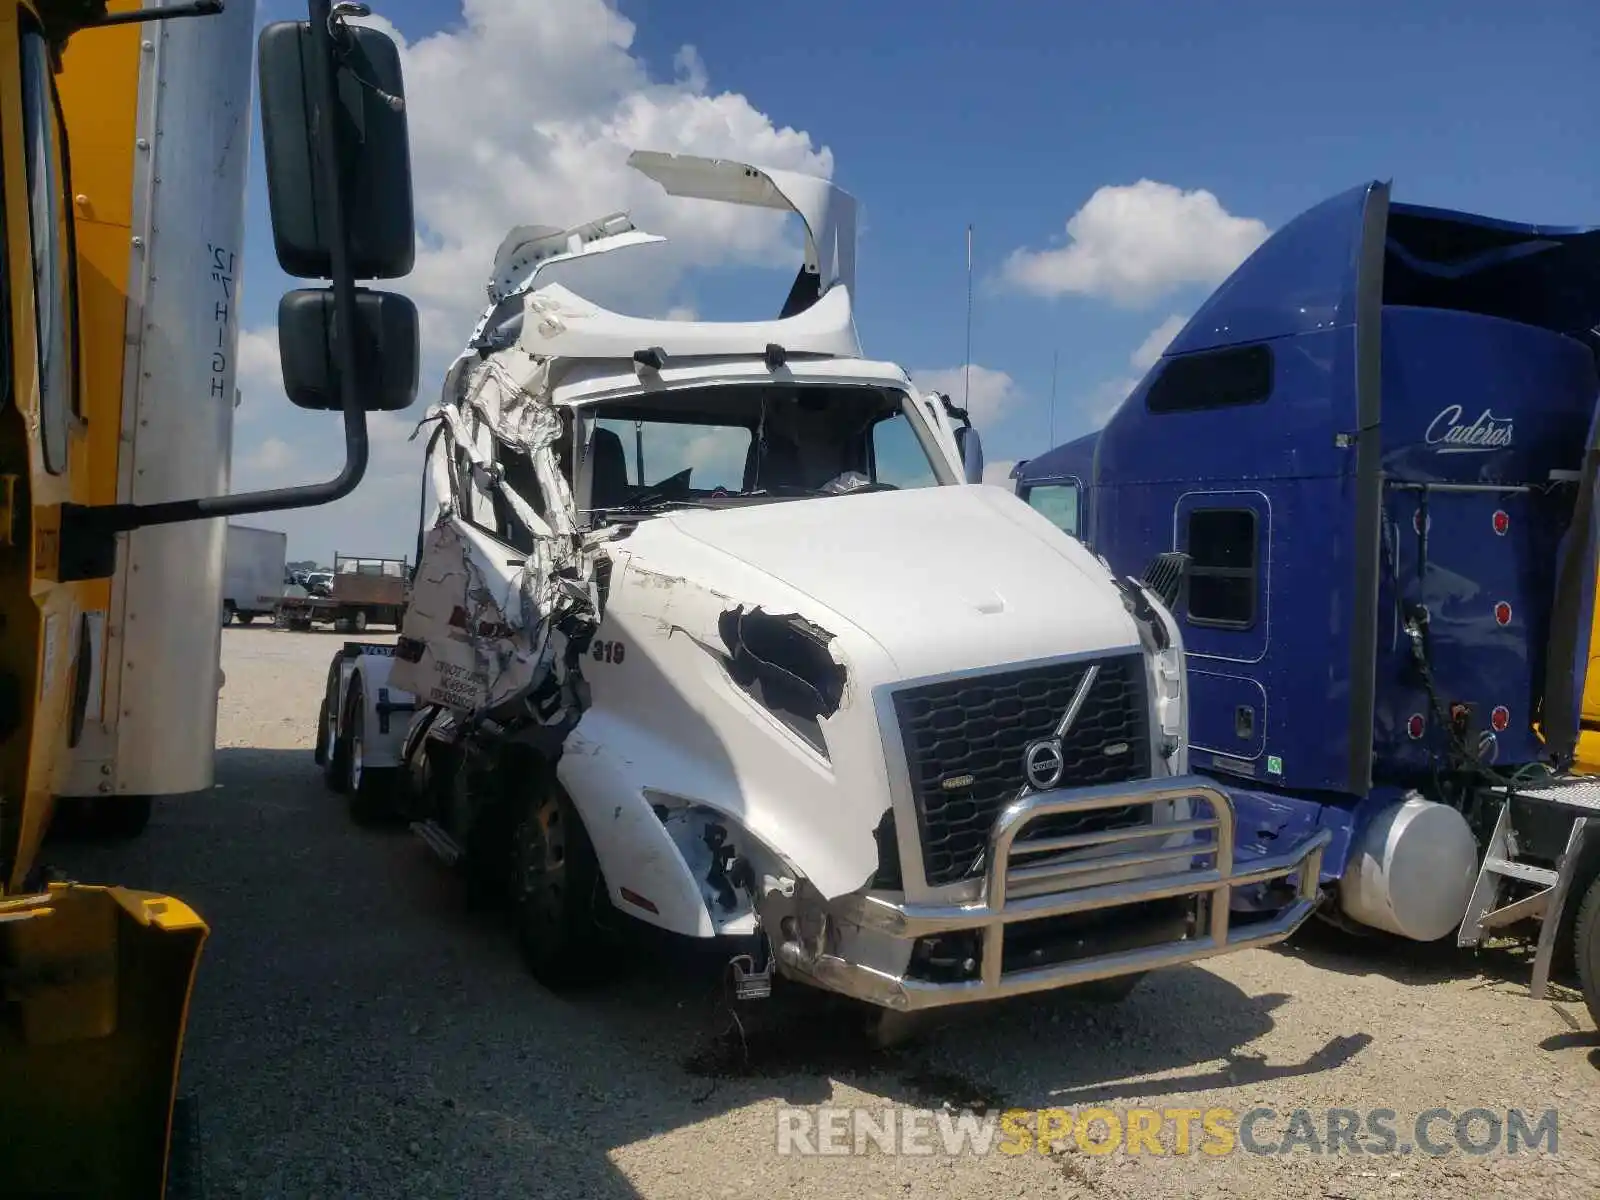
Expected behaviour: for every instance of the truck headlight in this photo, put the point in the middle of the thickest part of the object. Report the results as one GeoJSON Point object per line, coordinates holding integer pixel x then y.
{"type": "Point", "coordinates": [1167, 667]}
{"type": "Point", "coordinates": [1163, 647]}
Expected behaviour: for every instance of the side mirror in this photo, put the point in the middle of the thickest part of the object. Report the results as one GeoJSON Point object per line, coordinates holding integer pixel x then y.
{"type": "Point", "coordinates": [374, 167]}
{"type": "Point", "coordinates": [386, 340]}
{"type": "Point", "coordinates": [338, 164]}
{"type": "Point", "coordinates": [971, 447]}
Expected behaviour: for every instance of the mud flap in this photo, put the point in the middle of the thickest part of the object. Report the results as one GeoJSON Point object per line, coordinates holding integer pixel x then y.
{"type": "Point", "coordinates": [94, 997]}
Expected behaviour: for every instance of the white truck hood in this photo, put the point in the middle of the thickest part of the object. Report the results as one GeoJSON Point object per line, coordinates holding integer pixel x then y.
{"type": "Point", "coordinates": [941, 578]}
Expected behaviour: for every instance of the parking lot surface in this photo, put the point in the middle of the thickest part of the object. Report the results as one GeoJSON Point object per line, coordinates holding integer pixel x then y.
{"type": "Point", "coordinates": [358, 1031]}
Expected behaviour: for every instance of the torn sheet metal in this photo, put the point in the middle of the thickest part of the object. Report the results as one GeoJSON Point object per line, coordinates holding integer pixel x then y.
{"type": "Point", "coordinates": [481, 631]}
{"type": "Point", "coordinates": [495, 616]}
{"type": "Point", "coordinates": [493, 622]}
{"type": "Point", "coordinates": [827, 211]}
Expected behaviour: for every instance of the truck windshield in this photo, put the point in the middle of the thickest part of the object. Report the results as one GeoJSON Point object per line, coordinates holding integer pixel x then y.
{"type": "Point", "coordinates": [735, 444]}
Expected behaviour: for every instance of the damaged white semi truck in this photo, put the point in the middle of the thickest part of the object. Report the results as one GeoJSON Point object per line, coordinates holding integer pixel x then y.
{"type": "Point", "coordinates": [710, 628]}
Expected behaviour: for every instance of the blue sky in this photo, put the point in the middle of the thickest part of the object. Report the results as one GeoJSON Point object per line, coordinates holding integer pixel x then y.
{"type": "Point", "coordinates": [1011, 116]}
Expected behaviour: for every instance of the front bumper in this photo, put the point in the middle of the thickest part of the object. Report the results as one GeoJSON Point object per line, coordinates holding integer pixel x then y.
{"type": "Point", "coordinates": [1200, 850]}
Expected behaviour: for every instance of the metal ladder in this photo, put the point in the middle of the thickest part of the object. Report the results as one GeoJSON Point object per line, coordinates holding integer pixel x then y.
{"type": "Point", "coordinates": [1580, 798]}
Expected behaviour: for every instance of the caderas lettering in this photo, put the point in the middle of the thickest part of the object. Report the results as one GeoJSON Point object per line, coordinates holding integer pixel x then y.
{"type": "Point", "coordinates": [1447, 435]}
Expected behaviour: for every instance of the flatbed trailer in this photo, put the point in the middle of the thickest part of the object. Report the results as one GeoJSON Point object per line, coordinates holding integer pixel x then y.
{"type": "Point", "coordinates": [366, 591]}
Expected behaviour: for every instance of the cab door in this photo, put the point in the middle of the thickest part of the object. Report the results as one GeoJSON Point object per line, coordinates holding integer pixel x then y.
{"type": "Point", "coordinates": [40, 441]}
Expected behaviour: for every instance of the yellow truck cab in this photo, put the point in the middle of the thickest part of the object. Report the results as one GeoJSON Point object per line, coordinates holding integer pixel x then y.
{"type": "Point", "coordinates": [124, 149]}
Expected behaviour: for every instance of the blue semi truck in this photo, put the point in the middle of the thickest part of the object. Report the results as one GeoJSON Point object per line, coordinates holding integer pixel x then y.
{"type": "Point", "coordinates": [1364, 475]}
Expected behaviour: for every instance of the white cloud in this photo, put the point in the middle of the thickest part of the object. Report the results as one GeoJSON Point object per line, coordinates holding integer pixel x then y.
{"type": "Point", "coordinates": [682, 312]}
{"type": "Point", "coordinates": [992, 391]}
{"type": "Point", "coordinates": [524, 112]}
{"type": "Point", "coordinates": [268, 459]}
{"type": "Point", "coordinates": [999, 473]}
{"type": "Point", "coordinates": [1151, 349]}
{"type": "Point", "coordinates": [1134, 243]}
{"type": "Point", "coordinates": [1106, 396]}
{"type": "Point", "coordinates": [258, 374]}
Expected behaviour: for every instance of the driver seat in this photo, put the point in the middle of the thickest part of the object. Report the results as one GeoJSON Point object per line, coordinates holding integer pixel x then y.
{"type": "Point", "coordinates": [608, 470]}
{"type": "Point", "coordinates": [774, 462]}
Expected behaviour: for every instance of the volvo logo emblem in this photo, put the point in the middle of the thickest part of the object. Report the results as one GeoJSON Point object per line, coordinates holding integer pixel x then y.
{"type": "Point", "coordinates": [1044, 761]}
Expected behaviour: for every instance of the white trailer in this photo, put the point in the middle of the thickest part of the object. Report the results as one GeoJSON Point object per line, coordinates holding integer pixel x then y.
{"type": "Point", "coordinates": [709, 629]}
{"type": "Point", "coordinates": [144, 714]}
{"type": "Point", "coordinates": [253, 573]}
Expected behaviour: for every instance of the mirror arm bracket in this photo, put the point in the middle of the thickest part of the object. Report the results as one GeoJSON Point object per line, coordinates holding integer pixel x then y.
{"type": "Point", "coordinates": [87, 547]}
{"type": "Point", "coordinates": [199, 8]}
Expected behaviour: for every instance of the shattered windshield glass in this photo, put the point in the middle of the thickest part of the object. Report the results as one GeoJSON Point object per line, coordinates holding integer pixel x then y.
{"type": "Point", "coordinates": [732, 444]}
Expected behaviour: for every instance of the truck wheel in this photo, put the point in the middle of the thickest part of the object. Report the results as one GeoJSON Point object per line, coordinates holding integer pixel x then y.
{"type": "Point", "coordinates": [358, 621]}
{"type": "Point", "coordinates": [227, 613]}
{"type": "Point", "coordinates": [368, 790]}
{"type": "Point", "coordinates": [244, 617]}
{"type": "Point", "coordinates": [335, 748]}
{"type": "Point", "coordinates": [556, 888]}
{"type": "Point", "coordinates": [319, 753]}
{"type": "Point", "coordinates": [1586, 949]}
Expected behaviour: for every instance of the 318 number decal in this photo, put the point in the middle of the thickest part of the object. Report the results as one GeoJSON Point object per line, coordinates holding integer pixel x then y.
{"type": "Point", "coordinates": [608, 652]}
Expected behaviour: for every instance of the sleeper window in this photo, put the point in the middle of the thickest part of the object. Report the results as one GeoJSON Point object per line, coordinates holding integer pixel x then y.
{"type": "Point", "coordinates": [1222, 546]}
{"type": "Point", "coordinates": [1213, 379]}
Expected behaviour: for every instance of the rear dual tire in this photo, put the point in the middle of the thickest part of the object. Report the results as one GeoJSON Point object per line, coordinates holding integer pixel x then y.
{"type": "Point", "coordinates": [369, 792]}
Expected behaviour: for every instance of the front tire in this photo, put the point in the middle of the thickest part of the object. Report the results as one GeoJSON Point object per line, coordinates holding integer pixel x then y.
{"type": "Point", "coordinates": [556, 891]}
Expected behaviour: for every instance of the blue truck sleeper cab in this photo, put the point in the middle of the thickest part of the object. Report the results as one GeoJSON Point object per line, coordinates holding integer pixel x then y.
{"type": "Point", "coordinates": [1376, 444]}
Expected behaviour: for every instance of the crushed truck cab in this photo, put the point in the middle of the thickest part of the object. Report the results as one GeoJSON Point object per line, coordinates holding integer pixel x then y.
{"type": "Point", "coordinates": [709, 628]}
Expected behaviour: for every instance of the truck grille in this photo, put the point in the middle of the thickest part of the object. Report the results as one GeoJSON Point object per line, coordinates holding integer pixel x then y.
{"type": "Point", "coordinates": [964, 741]}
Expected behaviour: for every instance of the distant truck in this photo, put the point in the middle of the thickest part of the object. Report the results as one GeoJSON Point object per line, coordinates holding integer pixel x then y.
{"type": "Point", "coordinates": [366, 591]}
{"type": "Point", "coordinates": [254, 574]}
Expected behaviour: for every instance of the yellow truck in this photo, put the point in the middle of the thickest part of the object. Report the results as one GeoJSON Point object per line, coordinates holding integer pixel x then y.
{"type": "Point", "coordinates": [124, 146]}
{"type": "Point", "coordinates": [1588, 755]}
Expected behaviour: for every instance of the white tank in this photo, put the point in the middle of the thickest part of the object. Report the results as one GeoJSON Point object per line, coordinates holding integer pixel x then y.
{"type": "Point", "coordinates": [1412, 870]}
{"type": "Point", "coordinates": [156, 732]}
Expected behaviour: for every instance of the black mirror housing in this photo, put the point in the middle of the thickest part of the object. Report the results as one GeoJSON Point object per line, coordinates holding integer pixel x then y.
{"type": "Point", "coordinates": [387, 349]}
{"type": "Point", "coordinates": [971, 447]}
{"type": "Point", "coordinates": [376, 168]}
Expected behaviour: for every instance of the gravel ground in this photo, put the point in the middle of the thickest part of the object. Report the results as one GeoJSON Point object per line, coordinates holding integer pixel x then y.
{"type": "Point", "coordinates": [356, 1031]}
